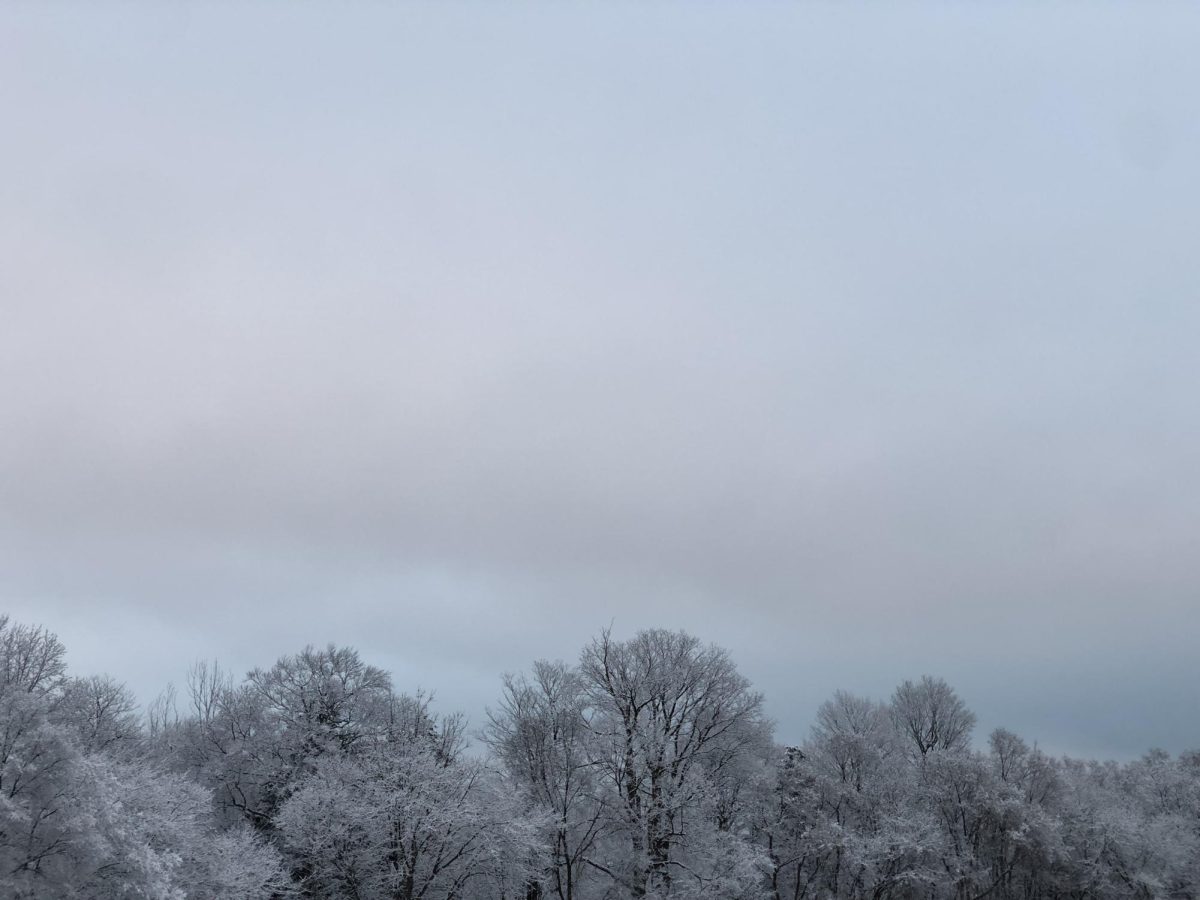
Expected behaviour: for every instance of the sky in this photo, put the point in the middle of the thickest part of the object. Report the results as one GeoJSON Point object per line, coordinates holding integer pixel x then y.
{"type": "Point", "coordinates": [859, 339]}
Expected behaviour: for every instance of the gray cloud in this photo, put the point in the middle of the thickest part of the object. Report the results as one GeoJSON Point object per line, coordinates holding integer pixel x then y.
{"type": "Point", "coordinates": [860, 342]}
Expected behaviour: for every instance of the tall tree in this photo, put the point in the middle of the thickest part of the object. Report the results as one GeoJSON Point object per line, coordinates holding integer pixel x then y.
{"type": "Point", "coordinates": [931, 716]}
{"type": "Point", "coordinates": [670, 716]}
{"type": "Point", "coordinates": [541, 737]}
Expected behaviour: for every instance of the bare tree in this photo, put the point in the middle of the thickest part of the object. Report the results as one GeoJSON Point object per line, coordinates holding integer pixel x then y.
{"type": "Point", "coordinates": [669, 714]}
{"type": "Point", "coordinates": [32, 659]}
{"type": "Point", "coordinates": [207, 685]}
{"type": "Point", "coordinates": [102, 712]}
{"type": "Point", "coordinates": [540, 736]}
{"type": "Point", "coordinates": [931, 716]}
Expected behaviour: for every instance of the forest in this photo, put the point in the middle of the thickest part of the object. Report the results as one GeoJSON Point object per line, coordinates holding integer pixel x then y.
{"type": "Point", "coordinates": [644, 768]}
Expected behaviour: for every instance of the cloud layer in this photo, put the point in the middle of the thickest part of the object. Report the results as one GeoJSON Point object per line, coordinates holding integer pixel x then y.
{"type": "Point", "coordinates": [860, 342]}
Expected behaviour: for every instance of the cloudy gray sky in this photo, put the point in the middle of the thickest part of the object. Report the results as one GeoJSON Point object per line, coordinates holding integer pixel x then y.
{"type": "Point", "coordinates": [860, 340]}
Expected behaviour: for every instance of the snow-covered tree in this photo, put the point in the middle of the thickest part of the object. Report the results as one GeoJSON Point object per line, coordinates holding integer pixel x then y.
{"type": "Point", "coordinates": [670, 717]}
{"type": "Point", "coordinates": [80, 819]}
{"type": "Point", "coordinates": [645, 771]}
{"type": "Point", "coordinates": [401, 822]}
{"type": "Point", "coordinates": [930, 716]}
{"type": "Point", "coordinates": [540, 736]}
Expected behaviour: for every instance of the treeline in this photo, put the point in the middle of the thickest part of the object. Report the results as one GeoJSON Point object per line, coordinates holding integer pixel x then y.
{"type": "Point", "coordinates": [647, 769]}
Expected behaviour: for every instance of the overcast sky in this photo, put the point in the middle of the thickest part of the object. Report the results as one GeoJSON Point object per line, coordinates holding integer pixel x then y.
{"type": "Point", "coordinates": [859, 340]}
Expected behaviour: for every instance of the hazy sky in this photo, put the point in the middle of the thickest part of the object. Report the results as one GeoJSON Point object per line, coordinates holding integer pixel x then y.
{"type": "Point", "coordinates": [861, 340]}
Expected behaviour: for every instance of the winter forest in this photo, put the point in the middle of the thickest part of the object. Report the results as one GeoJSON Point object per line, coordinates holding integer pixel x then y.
{"type": "Point", "coordinates": [643, 768]}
